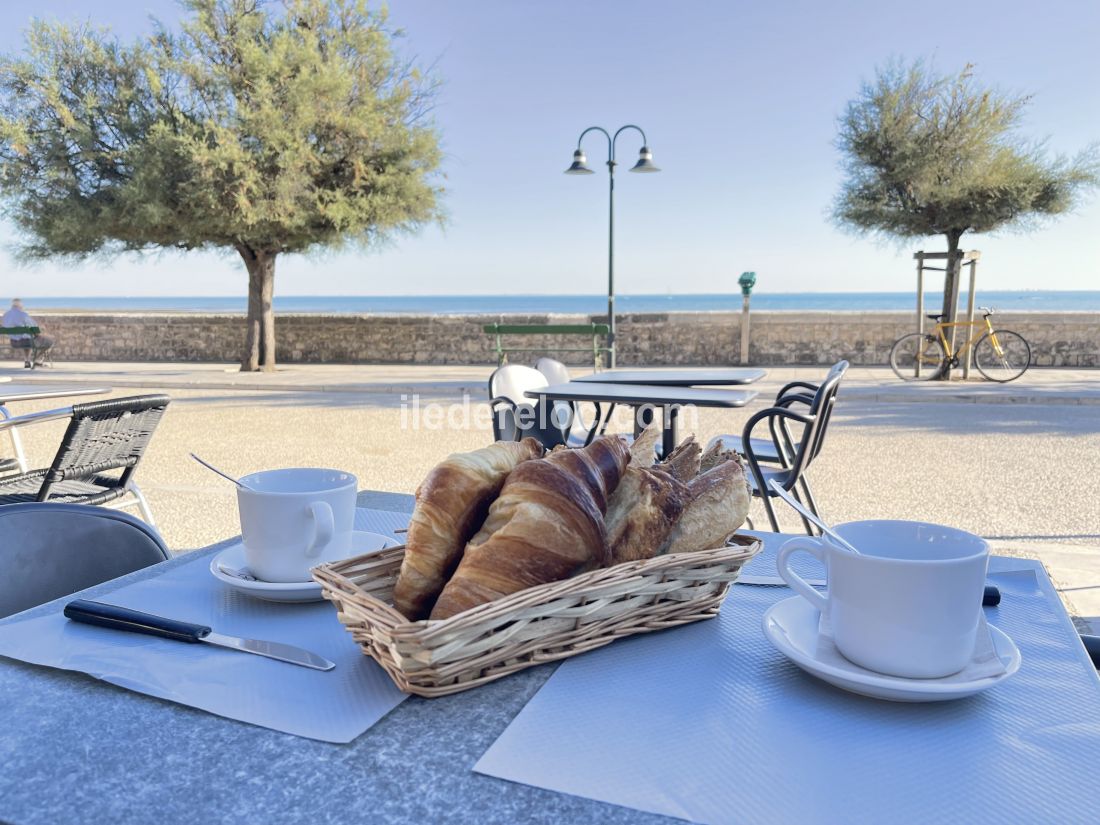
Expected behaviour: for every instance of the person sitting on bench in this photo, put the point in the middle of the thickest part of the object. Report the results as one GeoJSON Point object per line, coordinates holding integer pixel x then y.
{"type": "Point", "coordinates": [38, 344]}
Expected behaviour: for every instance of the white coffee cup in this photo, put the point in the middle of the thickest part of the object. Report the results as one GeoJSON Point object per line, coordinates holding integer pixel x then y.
{"type": "Point", "coordinates": [909, 604]}
{"type": "Point", "coordinates": [294, 519]}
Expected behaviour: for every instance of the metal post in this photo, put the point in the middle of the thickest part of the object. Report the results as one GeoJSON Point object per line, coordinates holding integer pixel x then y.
{"type": "Point", "coordinates": [920, 302]}
{"type": "Point", "coordinates": [611, 261]}
{"type": "Point", "coordinates": [973, 262]}
{"type": "Point", "coordinates": [644, 164]}
{"type": "Point", "coordinates": [745, 328]}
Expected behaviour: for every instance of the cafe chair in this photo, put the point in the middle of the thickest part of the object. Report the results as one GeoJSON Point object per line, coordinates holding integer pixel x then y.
{"type": "Point", "coordinates": [52, 550]}
{"type": "Point", "coordinates": [515, 416]}
{"type": "Point", "coordinates": [98, 455]}
{"type": "Point", "coordinates": [557, 373]}
{"type": "Point", "coordinates": [797, 452]}
{"type": "Point", "coordinates": [776, 449]}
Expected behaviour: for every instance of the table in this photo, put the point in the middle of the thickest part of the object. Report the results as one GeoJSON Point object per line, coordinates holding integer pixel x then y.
{"type": "Point", "coordinates": [677, 378]}
{"type": "Point", "coordinates": [36, 392]}
{"type": "Point", "coordinates": [669, 398]}
{"type": "Point", "coordinates": [78, 750]}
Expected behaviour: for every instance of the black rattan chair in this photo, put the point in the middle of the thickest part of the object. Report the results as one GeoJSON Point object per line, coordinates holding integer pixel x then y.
{"type": "Point", "coordinates": [102, 437]}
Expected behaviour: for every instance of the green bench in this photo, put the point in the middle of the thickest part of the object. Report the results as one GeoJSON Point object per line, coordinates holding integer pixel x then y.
{"type": "Point", "coordinates": [598, 333]}
{"type": "Point", "coordinates": [32, 346]}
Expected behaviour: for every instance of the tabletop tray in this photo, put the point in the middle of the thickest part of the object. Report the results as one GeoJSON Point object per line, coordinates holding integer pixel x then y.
{"type": "Point", "coordinates": [536, 625]}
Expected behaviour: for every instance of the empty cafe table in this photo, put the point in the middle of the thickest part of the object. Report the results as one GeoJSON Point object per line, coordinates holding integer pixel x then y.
{"type": "Point", "coordinates": [678, 377]}
{"type": "Point", "coordinates": [669, 398]}
{"type": "Point", "coordinates": [37, 392]}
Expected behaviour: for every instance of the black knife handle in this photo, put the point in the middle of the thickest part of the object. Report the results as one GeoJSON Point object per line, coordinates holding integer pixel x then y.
{"type": "Point", "coordinates": [991, 597]}
{"type": "Point", "coordinates": [122, 618]}
{"type": "Point", "coordinates": [1092, 647]}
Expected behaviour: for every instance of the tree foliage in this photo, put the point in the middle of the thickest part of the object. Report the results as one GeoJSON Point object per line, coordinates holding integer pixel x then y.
{"type": "Point", "coordinates": [263, 128]}
{"type": "Point", "coordinates": [939, 155]}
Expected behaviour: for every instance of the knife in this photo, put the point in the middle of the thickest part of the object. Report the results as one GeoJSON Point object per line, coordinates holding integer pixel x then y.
{"type": "Point", "coordinates": [991, 596]}
{"type": "Point", "coordinates": [122, 618]}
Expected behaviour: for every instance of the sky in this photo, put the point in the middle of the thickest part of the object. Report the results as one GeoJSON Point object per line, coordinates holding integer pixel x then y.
{"type": "Point", "coordinates": [739, 101]}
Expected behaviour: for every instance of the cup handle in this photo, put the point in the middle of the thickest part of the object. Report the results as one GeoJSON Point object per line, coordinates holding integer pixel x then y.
{"type": "Point", "coordinates": [797, 583]}
{"type": "Point", "coordinates": [323, 527]}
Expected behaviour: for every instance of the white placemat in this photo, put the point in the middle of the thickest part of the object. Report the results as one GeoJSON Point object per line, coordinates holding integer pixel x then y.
{"type": "Point", "coordinates": [709, 723]}
{"type": "Point", "coordinates": [333, 706]}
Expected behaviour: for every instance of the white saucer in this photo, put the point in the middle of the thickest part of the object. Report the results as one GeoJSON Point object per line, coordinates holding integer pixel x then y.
{"type": "Point", "coordinates": [233, 558]}
{"type": "Point", "coordinates": [791, 625]}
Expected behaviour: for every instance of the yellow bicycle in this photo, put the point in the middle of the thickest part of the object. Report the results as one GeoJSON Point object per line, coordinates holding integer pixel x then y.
{"type": "Point", "coordinates": [999, 354]}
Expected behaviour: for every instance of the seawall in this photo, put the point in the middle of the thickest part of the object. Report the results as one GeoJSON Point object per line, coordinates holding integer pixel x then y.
{"type": "Point", "coordinates": [1069, 339]}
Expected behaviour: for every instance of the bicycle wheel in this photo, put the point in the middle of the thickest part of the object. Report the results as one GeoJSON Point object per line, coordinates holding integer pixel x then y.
{"type": "Point", "coordinates": [1002, 355]}
{"type": "Point", "coordinates": [917, 357]}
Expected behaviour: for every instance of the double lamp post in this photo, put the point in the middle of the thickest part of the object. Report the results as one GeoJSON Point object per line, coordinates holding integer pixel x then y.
{"type": "Point", "coordinates": [580, 167]}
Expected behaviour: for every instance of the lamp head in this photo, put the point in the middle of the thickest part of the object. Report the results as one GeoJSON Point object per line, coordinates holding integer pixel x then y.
{"type": "Point", "coordinates": [645, 162]}
{"type": "Point", "coordinates": [580, 164]}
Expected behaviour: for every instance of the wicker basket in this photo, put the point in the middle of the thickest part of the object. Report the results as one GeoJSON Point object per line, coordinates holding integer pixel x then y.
{"type": "Point", "coordinates": [540, 624]}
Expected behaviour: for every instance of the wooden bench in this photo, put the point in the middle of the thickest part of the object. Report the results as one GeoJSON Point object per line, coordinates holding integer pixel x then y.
{"type": "Point", "coordinates": [32, 346]}
{"type": "Point", "coordinates": [598, 332]}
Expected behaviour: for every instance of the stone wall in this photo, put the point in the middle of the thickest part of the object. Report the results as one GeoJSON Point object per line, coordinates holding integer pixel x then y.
{"type": "Point", "coordinates": [704, 338]}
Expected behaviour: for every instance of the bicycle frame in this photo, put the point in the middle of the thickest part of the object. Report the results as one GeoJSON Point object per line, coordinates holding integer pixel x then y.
{"type": "Point", "coordinates": [972, 339]}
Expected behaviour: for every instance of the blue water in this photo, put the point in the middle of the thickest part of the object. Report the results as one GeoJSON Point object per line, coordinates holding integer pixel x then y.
{"type": "Point", "coordinates": [1006, 301]}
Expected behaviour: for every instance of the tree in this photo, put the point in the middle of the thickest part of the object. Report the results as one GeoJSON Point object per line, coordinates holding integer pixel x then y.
{"type": "Point", "coordinates": [258, 129]}
{"type": "Point", "coordinates": [938, 155]}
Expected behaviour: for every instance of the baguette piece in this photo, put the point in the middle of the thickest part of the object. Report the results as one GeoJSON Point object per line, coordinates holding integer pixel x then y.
{"type": "Point", "coordinates": [719, 504]}
{"type": "Point", "coordinates": [643, 509]}
{"type": "Point", "coordinates": [451, 504]}
{"type": "Point", "coordinates": [547, 524]}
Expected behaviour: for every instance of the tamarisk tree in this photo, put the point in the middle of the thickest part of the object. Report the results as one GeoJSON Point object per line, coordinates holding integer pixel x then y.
{"type": "Point", "coordinates": [926, 155]}
{"type": "Point", "coordinates": [257, 127]}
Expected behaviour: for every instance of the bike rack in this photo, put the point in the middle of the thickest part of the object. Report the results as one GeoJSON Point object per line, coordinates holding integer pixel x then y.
{"type": "Point", "coordinates": [970, 259]}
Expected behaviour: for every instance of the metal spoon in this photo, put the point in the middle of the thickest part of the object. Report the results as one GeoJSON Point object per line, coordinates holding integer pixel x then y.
{"type": "Point", "coordinates": [226, 476]}
{"type": "Point", "coordinates": [809, 516]}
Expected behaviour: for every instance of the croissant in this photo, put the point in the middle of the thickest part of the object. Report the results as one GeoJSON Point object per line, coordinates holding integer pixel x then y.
{"type": "Point", "coordinates": [719, 504]}
{"type": "Point", "coordinates": [450, 506]}
{"type": "Point", "coordinates": [547, 524]}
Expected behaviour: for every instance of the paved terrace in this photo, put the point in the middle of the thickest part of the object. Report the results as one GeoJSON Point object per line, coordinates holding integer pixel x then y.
{"type": "Point", "coordinates": [1015, 463]}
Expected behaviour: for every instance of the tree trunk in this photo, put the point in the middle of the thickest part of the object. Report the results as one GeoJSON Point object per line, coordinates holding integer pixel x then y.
{"type": "Point", "coordinates": [259, 348]}
{"type": "Point", "coordinates": [952, 275]}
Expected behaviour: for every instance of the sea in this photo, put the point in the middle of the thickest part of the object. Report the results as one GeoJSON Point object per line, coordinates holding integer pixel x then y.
{"type": "Point", "coordinates": [1005, 301]}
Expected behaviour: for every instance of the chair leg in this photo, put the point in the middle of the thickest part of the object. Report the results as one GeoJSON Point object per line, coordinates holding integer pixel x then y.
{"type": "Point", "coordinates": [806, 525]}
{"type": "Point", "coordinates": [142, 504]}
{"type": "Point", "coordinates": [811, 502]}
{"type": "Point", "coordinates": [16, 441]}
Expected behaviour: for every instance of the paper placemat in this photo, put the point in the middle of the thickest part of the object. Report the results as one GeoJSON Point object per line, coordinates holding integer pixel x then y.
{"type": "Point", "coordinates": [333, 706]}
{"type": "Point", "coordinates": [709, 723]}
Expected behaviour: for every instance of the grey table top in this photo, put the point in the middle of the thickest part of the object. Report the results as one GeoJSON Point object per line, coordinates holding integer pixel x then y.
{"type": "Point", "coordinates": [636, 394]}
{"type": "Point", "coordinates": [34, 392]}
{"type": "Point", "coordinates": [78, 750]}
{"type": "Point", "coordinates": [677, 378]}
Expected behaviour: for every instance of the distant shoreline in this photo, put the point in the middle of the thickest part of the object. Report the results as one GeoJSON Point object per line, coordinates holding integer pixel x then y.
{"type": "Point", "coordinates": [423, 305]}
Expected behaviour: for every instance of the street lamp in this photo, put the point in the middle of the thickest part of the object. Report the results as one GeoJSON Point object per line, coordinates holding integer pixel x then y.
{"type": "Point", "coordinates": [580, 167]}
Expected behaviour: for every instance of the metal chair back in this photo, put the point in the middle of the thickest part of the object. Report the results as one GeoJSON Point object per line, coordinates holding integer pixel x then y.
{"type": "Point", "coordinates": [507, 386]}
{"type": "Point", "coordinates": [803, 450]}
{"type": "Point", "coordinates": [555, 371]}
{"type": "Point", "coordinates": [53, 550]}
{"type": "Point", "coordinates": [104, 436]}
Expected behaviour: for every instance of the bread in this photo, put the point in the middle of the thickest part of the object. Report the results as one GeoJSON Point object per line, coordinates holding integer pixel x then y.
{"type": "Point", "coordinates": [643, 509]}
{"type": "Point", "coordinates": [451, 504]}
{"type": "Point", "coordinates": [683, 462]}
{"type": "Point", "coordinates": [719, 504]}
{"type": "Point", "coordinates": [547, 524]}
